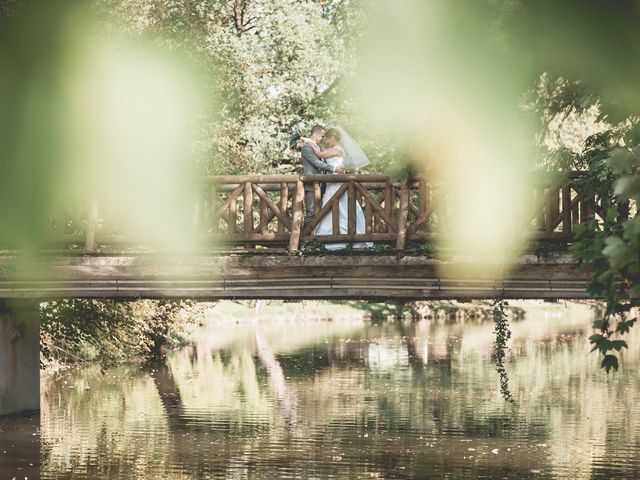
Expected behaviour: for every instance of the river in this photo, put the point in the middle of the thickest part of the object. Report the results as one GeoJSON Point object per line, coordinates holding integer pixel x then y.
{"type": "Point", "coordinates": [346, 398]}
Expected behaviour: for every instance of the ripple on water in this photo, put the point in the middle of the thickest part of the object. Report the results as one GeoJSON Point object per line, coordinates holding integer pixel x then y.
{"type": "Point", "coordinates": [358, 410]}
{"type": "Point", "coordinates": [19, 446]}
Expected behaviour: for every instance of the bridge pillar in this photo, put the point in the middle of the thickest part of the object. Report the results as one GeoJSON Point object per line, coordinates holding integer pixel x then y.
{"type": "Point", "coordinates": [19, 357]}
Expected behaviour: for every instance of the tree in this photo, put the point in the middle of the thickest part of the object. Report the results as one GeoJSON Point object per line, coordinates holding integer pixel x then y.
{"type": "Point", "coordinates": [273, 65]}
{"type": "Point", "coordinates": [584, 72]}
{"type": "Point", "coordinates": [278, 64]}
{"type": "Point", "coordinates": [464, 80]}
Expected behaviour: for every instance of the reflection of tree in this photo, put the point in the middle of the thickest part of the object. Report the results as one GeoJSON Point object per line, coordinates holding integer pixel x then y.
{"type": "Point", "coordinates": [384, 414]}
{"type": "Point", "coordinates": [415, 337]}
{"type": "Point", "coordinates": [286, 396]}
{"type": "Point", "coordinates": [194, 354]}
{"type": "Point", "coordinates": [169, 393]}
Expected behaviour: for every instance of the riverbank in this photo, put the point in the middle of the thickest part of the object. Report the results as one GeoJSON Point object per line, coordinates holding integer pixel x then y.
{"type": "Point", "coordinates": [109, 332]}
{"type": "Point", "coordinates": [106, 331]}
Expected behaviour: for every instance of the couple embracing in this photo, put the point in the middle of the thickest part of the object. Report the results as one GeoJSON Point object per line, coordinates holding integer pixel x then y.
{"type": "Point", "coordinates": [331, 151]}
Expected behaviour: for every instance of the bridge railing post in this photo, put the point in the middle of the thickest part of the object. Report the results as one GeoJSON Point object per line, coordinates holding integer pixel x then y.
{"type": "Point", "coordinates": [403, 216]}
{"type": "Point", "coordinates": [213, 207]}
{"type": "Point", "coordinates": [552, 209]}
{"type": "Point", "coordinates": [90, 244]}
{"type": "Point", "coordinates": [567, 227]}
{"type": "Point", "coordinates": [297, 217]}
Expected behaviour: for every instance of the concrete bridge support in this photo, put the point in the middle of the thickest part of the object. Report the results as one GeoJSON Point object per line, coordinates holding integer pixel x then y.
{"type": "Point", "coordinates": [19, 356]}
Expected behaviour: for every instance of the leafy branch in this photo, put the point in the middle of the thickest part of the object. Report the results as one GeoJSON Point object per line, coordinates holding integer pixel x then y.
{"type": "Point", "coordinates": [604, 342]}
{"type": "Point", "coordinates": [503, 334]}
{"type": "Point", "coordinates": [611, 249]}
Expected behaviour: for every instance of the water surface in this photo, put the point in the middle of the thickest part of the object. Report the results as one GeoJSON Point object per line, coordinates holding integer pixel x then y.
{"type": "Point", "coordinates": [348, 399]}
{"type": "Point", "coordinates": [20, 447]}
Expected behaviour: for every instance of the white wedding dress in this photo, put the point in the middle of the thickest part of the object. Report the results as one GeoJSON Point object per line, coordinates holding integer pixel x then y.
{"type": "Point", "coordinates": [325, 227]}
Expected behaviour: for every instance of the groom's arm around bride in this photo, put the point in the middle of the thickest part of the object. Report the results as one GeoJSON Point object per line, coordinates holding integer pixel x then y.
{"type": "Point", "coordinates": [313, 165]}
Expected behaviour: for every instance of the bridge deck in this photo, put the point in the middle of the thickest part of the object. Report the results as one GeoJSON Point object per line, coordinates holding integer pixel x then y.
{"type": "Point", "coordinates": [375, 277]}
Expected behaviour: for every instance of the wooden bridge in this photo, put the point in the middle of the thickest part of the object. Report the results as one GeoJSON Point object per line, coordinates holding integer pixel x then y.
{"type": "Point", "coordinates": [256, 246]}
{"type": "Point", "coordinates": [256, 226]}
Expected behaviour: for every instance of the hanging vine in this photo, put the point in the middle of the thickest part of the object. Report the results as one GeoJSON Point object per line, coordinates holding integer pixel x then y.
{"type": "Point", "coordinates": [503, 334]}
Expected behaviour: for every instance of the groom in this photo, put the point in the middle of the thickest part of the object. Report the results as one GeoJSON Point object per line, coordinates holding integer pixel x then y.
{"type": "Point", "coordinates": [314, 165]}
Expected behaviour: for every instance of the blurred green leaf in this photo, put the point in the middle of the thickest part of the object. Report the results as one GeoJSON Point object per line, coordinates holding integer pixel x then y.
{"type": "Point", "coordinates": [621, 161]}
{"type": "Point", "coordinates": [617, 251]}
{"type": "Point", "coordinates": [634, 292]}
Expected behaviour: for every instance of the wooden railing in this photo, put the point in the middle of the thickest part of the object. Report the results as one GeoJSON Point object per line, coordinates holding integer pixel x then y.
{"type": "Point", "coordinates": [259, 210]}
{"type": "Point", "coordinates": [267, 211]}
{"type": "Point", "coordinates": [562, 205]}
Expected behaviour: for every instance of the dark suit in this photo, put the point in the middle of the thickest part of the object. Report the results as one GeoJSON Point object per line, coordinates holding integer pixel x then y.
{"type": "Point", "coordinates": [312, 165]}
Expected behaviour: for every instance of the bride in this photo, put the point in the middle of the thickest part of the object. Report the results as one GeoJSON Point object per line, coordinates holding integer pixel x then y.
{"type": "Point", "coordinates": [335, 155]}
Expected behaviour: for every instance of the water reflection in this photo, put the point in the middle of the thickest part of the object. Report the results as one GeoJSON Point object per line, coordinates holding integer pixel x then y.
{"type": "Point", "coordinates": [286, 396]}
{"type": "Point", "coordinates": [19, 447]}
{"type": "Point", "coordinates": [348, 399]}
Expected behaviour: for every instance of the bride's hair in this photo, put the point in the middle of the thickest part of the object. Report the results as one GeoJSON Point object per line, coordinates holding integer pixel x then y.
{"type": "Point", "coordinates": [333, 133]}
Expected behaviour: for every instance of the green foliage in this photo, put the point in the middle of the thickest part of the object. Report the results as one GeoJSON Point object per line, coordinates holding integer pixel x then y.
{"type": "Point", "coordinates": [503, 334]}
{"type": "Point", "coordinates": [7, 7]}
{"type": "Point", "coordinates": [573, 83]}
{"type": "Point", "coordinates": [79, 330]}
{"type": "Point", "coordinates": [277, 65]}
{"type": "Point", "coordinates": [609, 362]}
{"type": "Point", "coordinates": [611, 248]}
{"type": "Point", "coordinates": [273, 66]}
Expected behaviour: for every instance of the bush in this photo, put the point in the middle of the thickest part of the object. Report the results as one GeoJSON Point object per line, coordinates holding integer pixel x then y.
{"type": "Point", "coordinates": [79, 330]}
